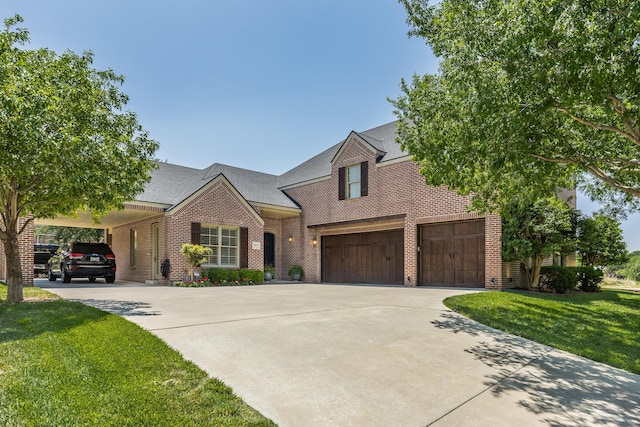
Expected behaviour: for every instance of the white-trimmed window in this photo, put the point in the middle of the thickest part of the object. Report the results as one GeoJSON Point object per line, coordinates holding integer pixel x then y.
{"type": "Point", "coordinates": [224, 244]}
{"type": "Point", "coordinates": [353, 181]}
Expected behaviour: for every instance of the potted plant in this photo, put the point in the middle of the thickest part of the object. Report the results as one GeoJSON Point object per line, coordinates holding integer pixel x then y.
{"type": "Point", "coordinates": [296, 272]}
{"type": "Point", "coordinates": [269, 272]}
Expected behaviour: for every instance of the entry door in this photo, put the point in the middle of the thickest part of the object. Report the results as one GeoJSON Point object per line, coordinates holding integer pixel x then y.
{"type": "Point", "coordinates": [269, 249]}
{"type": "Point", "coordinates": [452, 254]}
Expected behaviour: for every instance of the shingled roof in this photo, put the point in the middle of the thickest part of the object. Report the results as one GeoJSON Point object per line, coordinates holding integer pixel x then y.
{"type": "Point", "coordinates": [382, 138]}
{"type": "Point", "coordinates": [171, 184]}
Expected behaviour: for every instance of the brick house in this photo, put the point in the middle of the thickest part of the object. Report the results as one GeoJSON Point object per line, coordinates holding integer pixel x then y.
{"type": "Point", "coordinates": [358, 212]}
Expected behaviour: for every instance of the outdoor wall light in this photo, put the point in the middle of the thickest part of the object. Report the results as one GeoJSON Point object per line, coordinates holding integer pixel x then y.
{"type": "Point", "coordinates": [290, 238]}
{"type": "Point", "coordinates": [314, 241]}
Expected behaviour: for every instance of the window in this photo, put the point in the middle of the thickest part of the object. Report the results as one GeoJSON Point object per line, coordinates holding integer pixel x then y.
{"type": "Point", "coordinates": [353, 182]}
{"type": "Point", "coordinates": [133, 246]}
{"type": "Point", "coordinates": [223, 242]}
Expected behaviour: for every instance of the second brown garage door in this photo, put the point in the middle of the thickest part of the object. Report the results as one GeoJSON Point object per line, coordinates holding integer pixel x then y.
{"type": "Point", "coordinates": [364, 257]}
{"type": "Point", "coordinates": [452, 254]}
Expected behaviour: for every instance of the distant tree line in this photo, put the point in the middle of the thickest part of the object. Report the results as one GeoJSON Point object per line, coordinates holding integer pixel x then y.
{"type": "Point", "coordinates": [629, 270]}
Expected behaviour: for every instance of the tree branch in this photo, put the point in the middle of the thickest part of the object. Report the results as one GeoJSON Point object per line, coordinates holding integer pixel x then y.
{"type": "Point", "coordinates": [612, 182]}
{"type": "Point", "coordinates": [598, 172]}
{"type": "Point", "coordinates": [635, 139]}
{"type": "Point", "coordinates": [629, 123]}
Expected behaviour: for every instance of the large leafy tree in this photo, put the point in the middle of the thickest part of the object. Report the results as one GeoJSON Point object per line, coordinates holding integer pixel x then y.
{"type": "Point", "coordinates": [66, 142]}
{"type": "Point", "coordinates": [529, 95]}
{"type": "Point", "coordinates": [600, 241]}
{"type": "Point", "coordinates": [533, 231]}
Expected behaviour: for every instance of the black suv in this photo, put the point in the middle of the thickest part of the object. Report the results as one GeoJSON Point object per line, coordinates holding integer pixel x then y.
{"type": "Point", "coordinates": [81, 259]}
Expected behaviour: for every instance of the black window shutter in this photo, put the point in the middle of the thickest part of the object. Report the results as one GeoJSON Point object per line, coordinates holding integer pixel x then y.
{"type": "Point", "coordinates": [195, 233]}
{"type": "Point", "coordinates": [244, 247]}
{"type": "Point", "coordinates": [342, 184]}
{"type": "Point", "coordinates": [364, 179]}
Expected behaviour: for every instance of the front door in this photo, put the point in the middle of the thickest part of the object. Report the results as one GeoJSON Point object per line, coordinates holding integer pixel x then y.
{"type": "Point", "coordinates": [269, 249]}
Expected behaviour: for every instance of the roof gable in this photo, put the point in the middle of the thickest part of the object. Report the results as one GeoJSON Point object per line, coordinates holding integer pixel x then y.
{"type": "Point", "coordinates": [381, 140]}
{"type": "Point", "coordinates": [368, 142]}
{"type": "Point", "coordinates": [222, 179]}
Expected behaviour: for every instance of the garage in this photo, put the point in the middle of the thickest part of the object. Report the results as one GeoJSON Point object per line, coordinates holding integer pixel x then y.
{"type": "Point", "coordinates": [376, 257]}
{"type": "Point", "coordinates": [452, 254]}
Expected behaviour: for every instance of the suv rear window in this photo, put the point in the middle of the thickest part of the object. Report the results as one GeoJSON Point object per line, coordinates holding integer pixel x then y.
{"type": "Point", "coordinates": [91, 248]}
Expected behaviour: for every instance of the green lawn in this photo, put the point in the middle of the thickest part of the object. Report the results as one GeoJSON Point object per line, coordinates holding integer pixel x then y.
{"type": "Point", "coordinates": [64, 363]}
{"type": "Point", "coordinates": [601, 326]}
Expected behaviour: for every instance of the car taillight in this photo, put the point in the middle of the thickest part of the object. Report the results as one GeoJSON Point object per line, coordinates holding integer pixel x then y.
{"type": "Point", "coordinates": [110, 256]}
{"type": "Point", "coordinates": [76, 256]}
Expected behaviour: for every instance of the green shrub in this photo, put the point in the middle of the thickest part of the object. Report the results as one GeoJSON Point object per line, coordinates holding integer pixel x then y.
{"type": "Point", "coordinates": [255, 276]}
{"type": "Point", "coordinates": [558, 279]}
{"type": "Point", "coordinates": [589, 278]}
{"type": "Point", "coordinates": [220, 274]}
{"type": "Point", "coordinates": [225, 275]}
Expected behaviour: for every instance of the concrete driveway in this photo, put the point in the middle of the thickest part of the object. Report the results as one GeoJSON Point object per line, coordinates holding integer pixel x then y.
{"type": "Point", "coordinates": [339, 355]}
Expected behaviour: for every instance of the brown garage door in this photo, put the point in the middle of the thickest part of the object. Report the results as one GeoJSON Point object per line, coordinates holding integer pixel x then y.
{"type": "Point", "coordinates": [364, 257]}
{"type": "Point", "coordinates": [452, 254]}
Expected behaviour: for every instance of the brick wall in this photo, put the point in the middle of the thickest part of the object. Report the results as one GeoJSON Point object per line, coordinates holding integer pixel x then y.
{"type": "Point", "coordinates": [395, 189]}
{"type": "Point", "coordinates": [141, 271]}
{"type": "Point", "coordinates": [217, 205]}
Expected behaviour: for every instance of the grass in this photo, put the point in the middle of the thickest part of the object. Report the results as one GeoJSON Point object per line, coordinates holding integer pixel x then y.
{"type": "Point", "coordinates": [64, 363]}
{"type": "Point", "coordinates": [604, 326]}
{"type": "Point", "coordinates": [611, 283]}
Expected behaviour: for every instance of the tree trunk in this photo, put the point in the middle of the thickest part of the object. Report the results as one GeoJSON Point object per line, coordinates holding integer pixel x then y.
{"type": "Point", "coordinates": [14, 268]}
{"type": "Point", "coordinates": [533, 272]}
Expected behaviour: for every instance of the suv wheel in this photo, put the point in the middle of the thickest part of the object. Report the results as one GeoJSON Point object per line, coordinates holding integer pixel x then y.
{"type": "Point", "coordinates": [50, 275]}
{"type": "Point", "coordinates": [110, 279]}
{"type": "Point", "coordinates": [65, 276]}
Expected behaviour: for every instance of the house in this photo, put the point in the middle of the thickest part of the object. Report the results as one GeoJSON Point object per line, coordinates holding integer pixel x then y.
{"type": "Point", "coordinates": [357, 212]}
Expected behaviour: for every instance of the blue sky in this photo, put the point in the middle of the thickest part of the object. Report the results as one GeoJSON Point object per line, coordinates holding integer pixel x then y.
{"type": "Point", "coordinates": [262, 85]}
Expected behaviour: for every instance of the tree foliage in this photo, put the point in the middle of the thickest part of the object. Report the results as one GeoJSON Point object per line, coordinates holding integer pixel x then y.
{"type": "Point", "coordinates": [532, 231]}
{"type": "Point", "coordinates": [71, 234]}
{"type": "Point", "coordinates": [600, 241]}
{"type": "Point", "coordinates": [66, 141]}
{"type": "Point", "coordinates": [631, 269]}
{"type": "Point", "coordinates": [529, 95]}
{"type": "Point", "coordinates": [195, 254]}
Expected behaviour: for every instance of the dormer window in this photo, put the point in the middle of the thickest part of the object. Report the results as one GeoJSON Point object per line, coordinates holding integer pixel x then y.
{"type": "Point", "coordinates": [353, 182]}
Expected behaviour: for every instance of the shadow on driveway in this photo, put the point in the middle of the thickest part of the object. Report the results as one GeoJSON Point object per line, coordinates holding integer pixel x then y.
{"type": "Point", "coordinates": [121, 308]}
{"type": "Point", "coordinates": [567, 390]}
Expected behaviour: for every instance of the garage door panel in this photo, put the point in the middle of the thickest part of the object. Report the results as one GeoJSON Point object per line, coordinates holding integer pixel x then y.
{"type": "Point", "coordinates": [376, 257]}
{"type": "Point", "coordinates": [452, 254]}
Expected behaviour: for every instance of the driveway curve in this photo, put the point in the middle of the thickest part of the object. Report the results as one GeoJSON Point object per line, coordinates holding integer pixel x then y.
{"type": "Point", "coordinates": [340, 355]}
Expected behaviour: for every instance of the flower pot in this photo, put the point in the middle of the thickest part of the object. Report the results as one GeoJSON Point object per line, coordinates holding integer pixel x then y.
{"type": "Point", "coordinates": [267, 276]}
